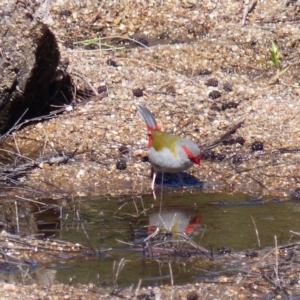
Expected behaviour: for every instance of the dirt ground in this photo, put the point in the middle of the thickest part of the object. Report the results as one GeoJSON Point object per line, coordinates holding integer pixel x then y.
{"type": "Point", "coordinates": [200, 67]}
{"type": "Point", "coordinates": [198, 59]}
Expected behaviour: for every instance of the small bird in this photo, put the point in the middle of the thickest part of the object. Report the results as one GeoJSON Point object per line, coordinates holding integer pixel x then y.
{"type": "Point", "coordinates": [173, 222]}
{"type": "Point", "coordinates": [167, 152]}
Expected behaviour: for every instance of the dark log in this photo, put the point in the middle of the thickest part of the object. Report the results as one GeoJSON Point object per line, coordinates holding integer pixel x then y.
{"type": "Point", "coordinates": [31, 79]}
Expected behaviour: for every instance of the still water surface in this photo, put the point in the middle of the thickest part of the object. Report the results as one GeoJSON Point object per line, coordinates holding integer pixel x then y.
{"type": "Point", "coordinates": [225, 222]}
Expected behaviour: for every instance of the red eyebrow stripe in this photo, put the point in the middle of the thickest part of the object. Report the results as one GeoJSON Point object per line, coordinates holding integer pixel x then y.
{"type": "Point", "coordinates": [191, 156]}
{"type": "Point", "coordinates": [149, 140]}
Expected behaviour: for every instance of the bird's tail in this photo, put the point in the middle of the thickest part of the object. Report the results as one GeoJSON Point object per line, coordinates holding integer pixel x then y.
{"type": "Point", "coordinates": [148, 117]}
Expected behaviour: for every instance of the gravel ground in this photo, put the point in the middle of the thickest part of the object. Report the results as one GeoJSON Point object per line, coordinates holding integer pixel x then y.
{"type": "Point", "coordinates": [198, 58]}
{"type": "Point", "coordinates": [189, 40]}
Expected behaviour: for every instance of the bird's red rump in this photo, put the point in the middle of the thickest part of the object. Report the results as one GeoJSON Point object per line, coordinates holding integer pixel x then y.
{"type": "Point", "coordinates": [194, 159]}
{"type": "Point", "coordinates": [150, 128]}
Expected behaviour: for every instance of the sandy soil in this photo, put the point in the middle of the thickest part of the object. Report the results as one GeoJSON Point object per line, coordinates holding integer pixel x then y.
{"type": "Point", "coordinates": [186, 41]}
{"type": "Point", "coordinates": [197, 58]}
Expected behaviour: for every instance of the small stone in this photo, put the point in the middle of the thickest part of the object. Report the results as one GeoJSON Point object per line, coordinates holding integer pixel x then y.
{"type": "Point", "coordinates": [171, 90]}
{"type": "Point", "coordinates": [257, 146]}
{"type": "Point", "coordinates": [214, 95]}
{"type": "Point", "coordinates": [8, 287]}
{"type": "Point", "coordinates": [121, 164]}
{"type": "Point", "coordinates": [227, 87]}
{"type": "Point", "coordinates": [192, 295]}
{"type": "Point", "coordinates": [224, 250]}
{"type": "Point", "coordinates": [295, 196]}
{"type": "Point", "coordinates": [122, 27]}
{"type": "Point", "coordinates": [123, 150]}
{"type": "Point", "coordinates": [230, 104]}
{"type": "Point", "coordinates": [220, 156]}
{"type": "Point", "coordinates": [240, 140]}
{"type": "Point", "coordinates": [192, 31]}
{"type": "Point", "coordinates": [138, 92]}
{"type": "Point", "coordinates": [215, 107]}
{"type": "Point", "coordinates": [212, 82]}
{"type": "Point", "coordinates": [228, 141]}
{"type": "Point", "coordinates": [204, 72]}
{"type": "Point", "coordinates": [237, 159]}
{"type": "Point", "coordinates": [102, 89]}
{"type": "Point", "coordinates": [111, 63]}
{"type": "Point", "coordinates": [163, 36]}
{"type": "Point", "coordinates": [208, 154]}
{"type": "Point", "coordinates": [66, 13]}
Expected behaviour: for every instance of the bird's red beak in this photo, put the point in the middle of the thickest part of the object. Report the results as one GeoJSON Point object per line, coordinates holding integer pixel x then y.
{"type": "Point", "coordinates": [194, 159]}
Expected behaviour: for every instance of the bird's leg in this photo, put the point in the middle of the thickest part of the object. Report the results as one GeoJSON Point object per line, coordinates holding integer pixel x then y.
{"type": "Point", "coordinates": [154, 195]}
{"type": "Point", "coordinates": [180, 179]}
{"type": "Point", "coordinates": [161, 185]}
{"type": "Point", "coordinates": [153, 183]}
{"type": "Point", "coordinates": [161, 192]}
